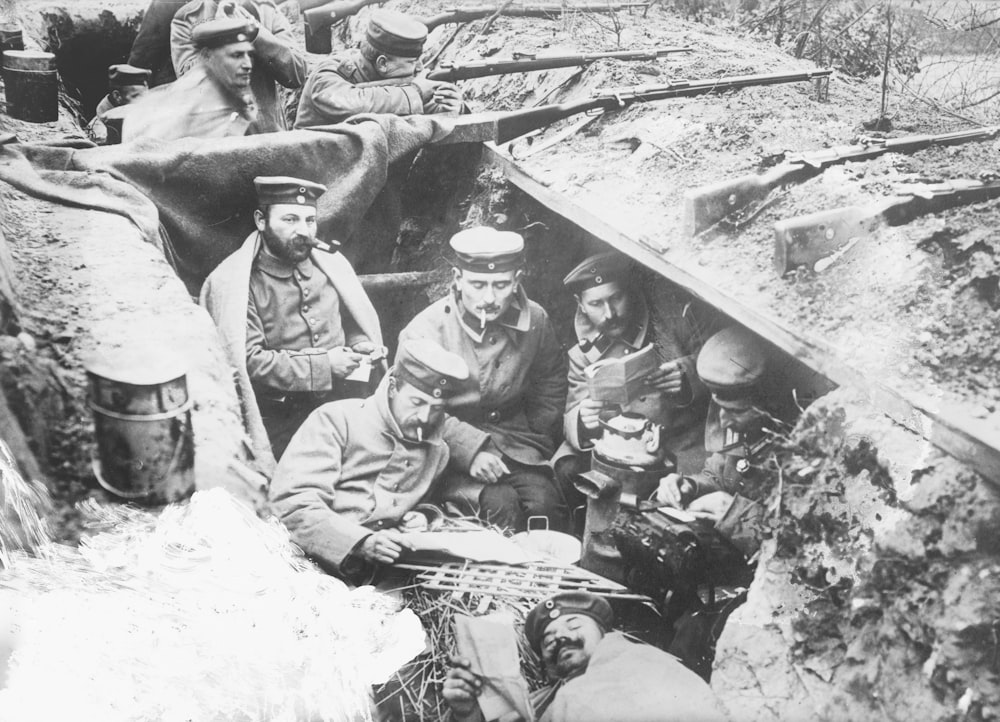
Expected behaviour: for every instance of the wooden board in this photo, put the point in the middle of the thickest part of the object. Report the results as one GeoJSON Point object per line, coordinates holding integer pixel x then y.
{"type": "Point", "coordinates": [950, 428]}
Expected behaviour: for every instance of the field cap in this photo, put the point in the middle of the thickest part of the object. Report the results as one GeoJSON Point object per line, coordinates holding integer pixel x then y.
{"type": "Point", "coordinates": [223, 31]}
{"type": "Point", "coordinates": [395, 33]}
{"type": "Point", "coordinates": [731, 363]}
{"type": "Point", "coordinates": [123, 74]}
{"type": "Point", "coordinates": [281, 190]}
{"type": "Point", "coordinates": [425, 365]}
{"type": "Point", "coordinates": [486, 250]}
{"type": "Point", "coordinates": [597, 270]}
{"type": "Point", "coordinates": [585, 603]}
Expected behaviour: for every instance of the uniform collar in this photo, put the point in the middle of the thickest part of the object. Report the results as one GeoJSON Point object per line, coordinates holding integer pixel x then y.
{"type": "Point", "coordinates": [636, 336]}
{"type": "Point", "coordinates": [274, 266]}
{"type": "Point", "coordinates": [515, 318]}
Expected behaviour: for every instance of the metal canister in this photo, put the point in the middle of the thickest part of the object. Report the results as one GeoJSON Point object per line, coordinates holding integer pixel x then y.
{"type": "Point", "coordinates": [31, 85]}
{"type": "Point", "coordinates": [11, 37]}
{"type": "Point", "coordinates": [142, 420]}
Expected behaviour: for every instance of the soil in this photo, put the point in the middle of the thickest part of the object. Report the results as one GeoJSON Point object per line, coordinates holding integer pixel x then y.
{"type": "Point", "coordinates": [911, 306]}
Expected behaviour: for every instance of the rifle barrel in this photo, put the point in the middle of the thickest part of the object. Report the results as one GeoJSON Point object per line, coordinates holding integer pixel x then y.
{"type": "Point", "coordinates": [464, 15]}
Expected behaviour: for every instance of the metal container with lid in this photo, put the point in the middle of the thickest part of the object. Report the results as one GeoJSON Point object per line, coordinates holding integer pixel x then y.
{"type": "Point", "coordinates": [31, 85]}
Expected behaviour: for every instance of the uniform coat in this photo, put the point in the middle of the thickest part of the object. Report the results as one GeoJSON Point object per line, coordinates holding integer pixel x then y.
{"type": "Point", "coordinates": [194, 106]}
{"type": "Point", "coordinates": [517, 371]}
{"type": "Point", "coordinates": [275, 56]}
{"type": "Point", "coordinates": [346, 84]}
{"type": "Point", "coordinates": [682, 418]}
{"type": "Point", "coordinates": [349, 470]}
{"type": "Point", "coordinates": [225, 295]}
{"type": "Point", "coordinates": [151, 47]}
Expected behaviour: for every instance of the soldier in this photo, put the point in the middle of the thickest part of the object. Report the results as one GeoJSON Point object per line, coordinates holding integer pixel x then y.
{"type": "Point", "coordinates": [354, 474]}
{"type": "Point", "coordinates": [378, 77]}
{"type": "Point", "coordinates": [731, 364]}
{"type": "Point", "coordinates": [127, 84]}
{"type": "Point", "coordinates": [308, 324]}
{"type": "Point", "coordinates": [151, 47]}
{"type": "Point", "coordinates": [213, 100]}
{"type": "Point", "coordinates": [510, 420]}
{"type": "Point", "coordinates": [276, 59]}
{"type": "Point", "coordinates": [595, 673]}
{"type": "Point", "coordinates": [612, 321]}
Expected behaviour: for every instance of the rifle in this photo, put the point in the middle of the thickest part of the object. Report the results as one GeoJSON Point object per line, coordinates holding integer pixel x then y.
{"type": "Point", "coordinates": [525, 62]}
{"type": "Point", "coordinates": [804, 240]}
{"type": "Point", "coordinates": [705, 206]}
{"type": "Point", "coordinates": [464, 15]}
{"type": "Point", "coordinates": [518, 122]}
{"type": "Point", "coordinates": [319, 19]}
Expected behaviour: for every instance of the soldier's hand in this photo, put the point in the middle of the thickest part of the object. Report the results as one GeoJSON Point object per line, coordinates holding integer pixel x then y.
{"type": "Point", "coordinates": [413, 521]}
{"type": "Point", "coordinates": [426, 88]}
{"type": "Point", "coordinates": [461, 687]}
{"type": "Point", "coordinates": [241, 13]}
{"type": "Point", "coordinates": [343, 361]}
{"type": "Point", "coordinates": [590, 414]}
{"type": "Point", "coordinates": [676, 491]}
{"type": "Point", "coordinates": [383, 547]}
{"type": "Point", "coordinates": [711, 506]}
{"type": "Point", "coordinates": [488, 468]}
{"type": "Point", "coordinates": [668, 378]}
{"type": "Point", "coordinates": [447, 99]}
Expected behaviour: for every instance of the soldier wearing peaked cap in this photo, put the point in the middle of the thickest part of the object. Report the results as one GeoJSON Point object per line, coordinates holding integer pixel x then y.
{"type": "Point", "coordinates": [353, 478]}
{"type": "Point", "coordinates": [732, 365]}
{"type": "Point", "coordinates": [381, 76]}
{"type": "Point", "coordinates": [596, 674]}
{"type": "Point", "coordinates": [127, 84]}
{"type": "Point", "coordinates": [276, 59]}
{"type": "Point", "coordinates": [509, 419]}
{"type": "Point", "coordinates": [296, 318]}
{"type": "Point", "coordinates": [613, 321]}
{"type": "Point", "coordinates": [214, 100]}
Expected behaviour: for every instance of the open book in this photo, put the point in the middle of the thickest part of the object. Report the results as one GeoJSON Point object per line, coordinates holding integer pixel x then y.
{"type": "Point", "coordinates": [622, 380]}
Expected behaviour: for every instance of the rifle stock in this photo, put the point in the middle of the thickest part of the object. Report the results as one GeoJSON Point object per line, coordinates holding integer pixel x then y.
{"type": "Point", "coordinates": [804, 240]}
{"type": "Point", "coordinates": [454, 73]}
{"type": "Point", "coordinates": [706, 206]}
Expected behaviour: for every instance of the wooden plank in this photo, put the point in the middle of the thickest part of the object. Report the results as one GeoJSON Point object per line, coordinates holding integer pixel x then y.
{"type": "Point", "coordinates": [948, 428]}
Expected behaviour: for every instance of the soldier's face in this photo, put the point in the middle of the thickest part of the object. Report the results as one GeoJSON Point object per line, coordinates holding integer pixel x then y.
{"type": "Point", "coordinates": [128, 93]}
{"type": "Point", "coordinates": [417, 413]}
{"type": "Point", "coordinates": [568, 643]}
{"type": "Point", "coordinates": [487, 296]}
{"type": "Point", "coordinates": [287, 230]}
{"type": "Point", "coordinates": [230, 65]}
{"type": "Point", "coordinates": [607, 307]}
{"type": "Point", "coordinates": [394, 66]}
{"type": "Point", "coordinates": [742, 417]}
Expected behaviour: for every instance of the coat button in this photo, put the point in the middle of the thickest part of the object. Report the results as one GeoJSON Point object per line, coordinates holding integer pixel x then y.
{"type": "Point", "coordinates": [305, 309]}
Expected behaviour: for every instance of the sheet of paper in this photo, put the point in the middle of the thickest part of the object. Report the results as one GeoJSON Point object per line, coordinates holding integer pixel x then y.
{"type": "Point", "coordinates": [481, 545]}
{"type": "Point", "coordinates": [490, 645]}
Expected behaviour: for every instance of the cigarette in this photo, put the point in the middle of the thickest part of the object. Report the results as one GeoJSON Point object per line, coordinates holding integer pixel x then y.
{"type": "Point", "coordinates": [420, 434]}
{"type": "Point", "coordinates": [325, 247]}
{"type": "Point", "coordinates": [482, 317]}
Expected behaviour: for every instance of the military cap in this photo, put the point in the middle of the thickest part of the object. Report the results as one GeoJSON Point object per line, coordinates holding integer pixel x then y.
{"type": "Point", "coordinates": [123, 74]}
{"type": "Point", "coordinates": [275, 190]}
{"type": "Point", "coordinates": [731, 363]}
{"type": "Point", "coordinates": [422, 363]}
{"type": "Point", "coordinates": [596, 271]}
{"type": "Point", "coordinates": [223, 31]}
{"type": "Point", "coordinates": [395, 33]}
{"type": "Point", "coordinates": [487, 250]}
{"type": "Point", "coordinates": [585, 603]}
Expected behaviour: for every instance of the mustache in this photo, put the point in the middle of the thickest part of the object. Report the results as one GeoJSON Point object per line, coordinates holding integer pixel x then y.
{"type": "Point", "coordinates": [489, 307]}
{"type": "Point", "coordinates": [564, 644]}
{"type": "Point", "coordinates": [610, 323]}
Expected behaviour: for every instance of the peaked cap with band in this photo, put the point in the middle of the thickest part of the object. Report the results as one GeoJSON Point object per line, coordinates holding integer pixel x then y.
{"type": "Point", "coordinates": [281, 190]}
{"type": "Point", "coordinates": [123, 74]}
{"type": "Point", "coordinates": [425, 365]}
{"type": "Point", "coordinates": [597, 270]}
{"type": "Point", "coordinates": [223, 31]}
{"type": "Point", "coordinates": [486, 250]}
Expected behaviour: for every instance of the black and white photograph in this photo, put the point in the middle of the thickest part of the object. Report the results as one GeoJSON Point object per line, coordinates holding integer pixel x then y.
{"type": "Point", "coordinates": [499, 360]}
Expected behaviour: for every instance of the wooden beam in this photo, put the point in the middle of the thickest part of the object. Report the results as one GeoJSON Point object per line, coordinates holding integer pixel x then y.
{"type": "Point", "coordinates": [380, 282]}
{"type": "Point", "coordinates": [948, 427]}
